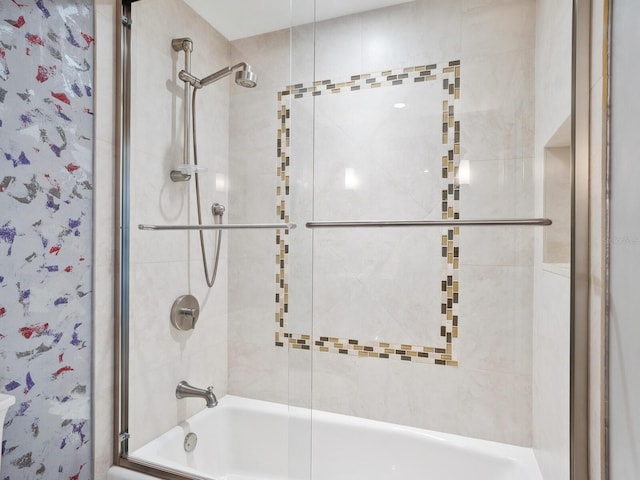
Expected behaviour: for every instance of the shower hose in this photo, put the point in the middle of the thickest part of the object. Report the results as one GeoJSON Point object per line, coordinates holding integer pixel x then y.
{"type": "Point", "coordinates": [217, 216]}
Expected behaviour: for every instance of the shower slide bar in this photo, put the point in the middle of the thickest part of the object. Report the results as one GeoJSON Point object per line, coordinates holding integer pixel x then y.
{"type": "Point", "coordinates": [433, 223]}
{"type": "Point", "coordinates": [225, 226]}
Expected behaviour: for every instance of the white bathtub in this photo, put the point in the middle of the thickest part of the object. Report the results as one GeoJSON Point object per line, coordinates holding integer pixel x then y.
{"type": "Point", "coordinates": [244, 439]}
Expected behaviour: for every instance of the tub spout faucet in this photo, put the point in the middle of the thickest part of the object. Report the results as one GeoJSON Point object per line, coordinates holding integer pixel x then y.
{"type": "Point", "coordinates": [184, 390]}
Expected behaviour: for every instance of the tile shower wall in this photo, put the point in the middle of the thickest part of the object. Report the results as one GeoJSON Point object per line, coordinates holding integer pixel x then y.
{"type": "Point", "coordinates": [46, 200]}
{"type": "Point", "coordinates": [165, 265]}
{"type": "Point", "coordinates": [488, 394]}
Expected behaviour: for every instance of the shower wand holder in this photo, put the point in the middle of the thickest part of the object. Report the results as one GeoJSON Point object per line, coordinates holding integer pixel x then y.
{"type": "Point", "coordinates": [178, 176]}
{"type": "Point", "coordinates": [183, 172]}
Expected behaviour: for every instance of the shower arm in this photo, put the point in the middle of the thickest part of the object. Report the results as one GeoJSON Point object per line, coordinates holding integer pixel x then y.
{"type": "Point", "coordinates": [185, 45]}
{"type": "Point", "coordinates": [196, 82]}
{"type": "Point", "coordinates": [221, 74]}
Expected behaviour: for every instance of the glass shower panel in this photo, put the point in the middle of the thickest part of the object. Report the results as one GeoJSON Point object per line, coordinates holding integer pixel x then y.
{"type": "Point", "coordinates": [385, 302]}
{"type": "Point", "coordinates": [239, 344]}
{"type": "Point", "coordinates": [424, 110]}
{"type": "Point", "coordinates": [166, 265]}
{"type": "Point", "coordinates": [295, 198]}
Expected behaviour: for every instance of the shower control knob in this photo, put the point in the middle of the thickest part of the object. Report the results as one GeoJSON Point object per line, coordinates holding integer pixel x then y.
{"type": "Point", "coordinates": [185, 312]}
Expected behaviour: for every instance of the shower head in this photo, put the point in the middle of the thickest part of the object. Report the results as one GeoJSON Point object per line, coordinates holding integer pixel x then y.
{"type": "Point", "coordinates": [244, 76]}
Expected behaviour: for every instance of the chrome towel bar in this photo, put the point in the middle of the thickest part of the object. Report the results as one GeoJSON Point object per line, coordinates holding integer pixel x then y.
{"type": "Point", "coordinates": [433, 223]}
{"type": "Point", "coordinates": [226, 226]}
{"type": "Point", "coordinates": [359, 224]}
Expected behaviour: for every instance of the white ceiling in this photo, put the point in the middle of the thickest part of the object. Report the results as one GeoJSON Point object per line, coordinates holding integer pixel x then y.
{"type": "Point", "coordinates": [244, 18]}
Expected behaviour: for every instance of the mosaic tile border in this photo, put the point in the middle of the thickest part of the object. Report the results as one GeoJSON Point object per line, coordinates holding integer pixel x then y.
{"type": "Point", "coordinates": [450, 285]}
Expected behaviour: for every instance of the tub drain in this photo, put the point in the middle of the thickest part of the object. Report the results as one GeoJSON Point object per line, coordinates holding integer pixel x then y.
{"type": "Point", "coordinates": [190, 442]}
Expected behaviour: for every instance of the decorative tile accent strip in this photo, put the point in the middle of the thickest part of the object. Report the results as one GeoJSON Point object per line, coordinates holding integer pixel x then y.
{"type": "Point", "coordinates": [450, 205]}
{"type": "Point", "coordinates": [419, 74]}
{"type": "Point", "coordinates": [46, 204]}
{"type": "Point", "coordinates": [282, 236]}
{"type": "Point", "coordinates": [450, 285]}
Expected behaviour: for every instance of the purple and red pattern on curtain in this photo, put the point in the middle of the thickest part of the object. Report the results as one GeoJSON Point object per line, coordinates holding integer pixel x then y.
{"type": "Point", "coordinates": [46, 202]}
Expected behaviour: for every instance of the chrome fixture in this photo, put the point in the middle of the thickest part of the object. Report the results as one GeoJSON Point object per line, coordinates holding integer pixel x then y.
{"type": "Point", "coordinates": [190, 442]}
{"type": "Point", "coordinates": [218, 211]}
{"type": "Point", "coordinates": [184, 45]}
{"type": "Point", "coordinates": [184, 390]}
{"type": "Point", "coordinates": [181, 173]}
{"type": "Point", "coordinates": [244, 76]}
{"type": "Point", "coordinates": [185, 312]}
{"type": "Point", "coordinates": [228, 226]}
{"type": "Point", "coordinates": [496, 222]}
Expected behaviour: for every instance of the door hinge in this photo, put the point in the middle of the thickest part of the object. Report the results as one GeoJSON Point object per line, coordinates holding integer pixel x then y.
{"type": "Point", "coordinates": [123, 436]}
{"type": "Point", "coordinates": [126, 21]}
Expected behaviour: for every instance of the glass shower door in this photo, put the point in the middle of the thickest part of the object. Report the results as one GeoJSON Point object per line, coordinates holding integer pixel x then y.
{"type": "Point", "coordinates": [235, 345]}
{"type": "Point", "coordinates": [423, 112]}
{"type": "Point", "coordinates": [380, 129]}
